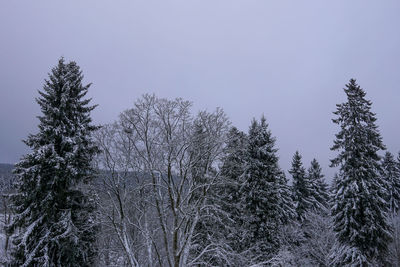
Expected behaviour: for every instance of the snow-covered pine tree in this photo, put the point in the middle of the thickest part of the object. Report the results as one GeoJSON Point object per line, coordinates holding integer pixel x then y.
{"type": "Point", "coordinates": [319, 189]}
{"type": "Point", "coordinates": [359, 208]}
{"type": "Point", "coordinates": [287, 206]}
{"type": "Point", "coordinates": [391, 174]}
{"type": "Point", "coordinates": [261, 191]}
{"type": "Point", "coordinates": [232, 174]}
{"type": "Point", "coordinates": [302, 188]}
{"type": "Point", "coordinates": [54, 223]}
{"type": "Point", "coordinates": [221, 227]}
{"type": "Point", "coordinates": [332, 186]}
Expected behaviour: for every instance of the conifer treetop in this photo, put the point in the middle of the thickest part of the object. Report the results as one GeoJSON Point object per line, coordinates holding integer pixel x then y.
{"type": "Point", "coordinates": [54, 219]}
{"type": "Point", "coordinates": [359, 135]}
{"type": "Point", "coordinates": [359, 206]}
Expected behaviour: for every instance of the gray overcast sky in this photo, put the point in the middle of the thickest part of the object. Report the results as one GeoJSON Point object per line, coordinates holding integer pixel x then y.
{"type": "Point", "coordinates": [286, 59]}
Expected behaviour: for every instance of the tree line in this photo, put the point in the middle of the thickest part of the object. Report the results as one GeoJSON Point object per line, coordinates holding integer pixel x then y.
{"type": "Point", "coordinates": [161, 186]}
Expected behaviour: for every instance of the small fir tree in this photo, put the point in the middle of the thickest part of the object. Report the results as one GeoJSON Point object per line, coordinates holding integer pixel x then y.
{"type": "Point", "coordinates": [333, 186]}
{"type": "Point", "coordinates": [320, 190]}
{"type": "Point", "coordinates": [302, 188]}
{"type": "Point", "coordinates": [286, 207]}
{"type": "Point", "coordinates": [222, 227]}
{"type": "Point", "coordinates": [359, 208]}
{"type": "Point", "coordinates": [54, 223]}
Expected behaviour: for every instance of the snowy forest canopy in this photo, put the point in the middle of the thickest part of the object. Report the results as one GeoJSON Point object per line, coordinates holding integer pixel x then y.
{"type": "Point", "coordinates": [161, 186]}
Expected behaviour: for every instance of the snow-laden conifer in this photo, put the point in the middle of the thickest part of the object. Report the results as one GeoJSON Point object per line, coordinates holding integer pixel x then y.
{"type": "Point", "coordinates": [359, 207]}
{"type": "Point", "coordinates": [286, 207]}
{"type": "Point", "coordinates": [54, 223]}
{"type": "Point", "coordinates": [220, 231]}
{"type": "Point", "coordinates": [304, 200]}
{"type": "Point", "coordinates": [262, 191]}
{"type": "Point", "coordinates": [232, 173]}
{"type": "Point", "coordinates": [319, 188]}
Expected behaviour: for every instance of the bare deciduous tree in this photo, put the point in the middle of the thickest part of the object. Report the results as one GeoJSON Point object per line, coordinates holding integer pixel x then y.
{"type": "Point", "coordinates": [159, 164]}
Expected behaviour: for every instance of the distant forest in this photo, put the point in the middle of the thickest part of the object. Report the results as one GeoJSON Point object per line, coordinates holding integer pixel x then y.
{"type": "Point", "coordinates": [161, 186]}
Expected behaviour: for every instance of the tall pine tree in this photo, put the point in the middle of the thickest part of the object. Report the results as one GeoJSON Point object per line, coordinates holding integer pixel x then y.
{"type": "Point", "coordinates": [54, 223]}
{"type": "Point", "coordinates": [232, 173]}
{"type": "Point", "coordinates": [359, 208]}
{"type": "Point", "coordinates": [221, 228]}
{"type": "Point", "coordinates": [262, 190]}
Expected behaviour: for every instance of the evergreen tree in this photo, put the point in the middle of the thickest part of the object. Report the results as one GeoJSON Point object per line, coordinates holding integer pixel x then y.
{"type": "Point", "coordinates": [319, 186]}
{"type": "Point", "coordinates": [286, 208]}
{"type": "Point", "coordinates": [333, 186]}
{"type": "Point", "coordinates": [359, 207]}
{"type": "Point", "coordinates": [391, 174]}
{"type": "Point", "coordinates": [261, 191]}
{"type": "Point", "coordinates": [302, 189]}
{"type": "Point", "coordinates": [54, 223]}
{"type": "Point", "coordinates": [221, 227]}
{"type": "Point", "coordinates": [232, 173]}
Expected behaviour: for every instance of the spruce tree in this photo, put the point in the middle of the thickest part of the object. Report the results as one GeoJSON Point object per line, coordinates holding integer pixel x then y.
{"type": "Point", "coordinates": [319, 186]}
{"type": "Point", "coordinates": [232, 173]}
{"type": "Point", "coordinates": [302, 188]}
{"type": "Point", "coordinates": [54, 222]}
{"type": "Point", "coordinates": [391, 174]}
{"type": "Point", "coordinates": [261, 191]}
{"type": "Point", "coordinates": [359, 208]}
{"type": "Point", "coordinates": [286, 208]}
{"type": "Point", "coordinates": [332, 186]}
{"type": "Point", "coordinates": [221, 226]}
